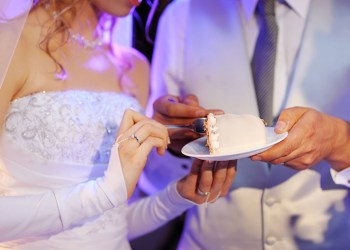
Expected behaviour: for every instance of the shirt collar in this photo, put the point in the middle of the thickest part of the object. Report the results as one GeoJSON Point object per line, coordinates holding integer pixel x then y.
{"type": "Point", "coordinates": [299, 6]}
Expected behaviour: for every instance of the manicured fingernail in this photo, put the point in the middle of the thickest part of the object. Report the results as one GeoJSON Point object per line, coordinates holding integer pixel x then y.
{"type": "Point", "coordinates": [280, 125]}
{"type": "Point", "coordinates": [172, 100]}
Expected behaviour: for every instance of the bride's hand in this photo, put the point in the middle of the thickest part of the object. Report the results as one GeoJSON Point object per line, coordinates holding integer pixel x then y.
{"type": "Point", "coordinates": [137, 136]}
{"type": "Point", "coordinates": [207, 181]}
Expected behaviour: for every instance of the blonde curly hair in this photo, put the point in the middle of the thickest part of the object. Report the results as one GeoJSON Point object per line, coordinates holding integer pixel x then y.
{"type": "Point", "coordinates": [62, 12]}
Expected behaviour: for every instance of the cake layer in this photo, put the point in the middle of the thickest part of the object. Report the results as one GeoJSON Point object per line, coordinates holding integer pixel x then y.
{"type": "Point", "coordinates": [230, 133]}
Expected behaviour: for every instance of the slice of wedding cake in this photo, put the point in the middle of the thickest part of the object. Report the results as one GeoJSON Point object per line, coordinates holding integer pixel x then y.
{"type": "Point", "coordinates": [230, 133]}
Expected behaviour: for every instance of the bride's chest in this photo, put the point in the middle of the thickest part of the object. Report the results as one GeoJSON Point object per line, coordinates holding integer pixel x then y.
{"type": "Point", "coordinates": [71, 126]}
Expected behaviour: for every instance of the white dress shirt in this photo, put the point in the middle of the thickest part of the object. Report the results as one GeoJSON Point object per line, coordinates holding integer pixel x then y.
{"type": "Point", "coordinates": [168, 73]}
{"type": "Point", "coordinates": [290, 17]}
{"type": "Point", "coordinates": [270, 209]}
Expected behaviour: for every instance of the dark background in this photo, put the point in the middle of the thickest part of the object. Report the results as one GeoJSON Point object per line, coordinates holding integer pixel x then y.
{"type": "Point", "coordinates": [140, 15]}
{"type": "Point", "coordinates": [166, 237]}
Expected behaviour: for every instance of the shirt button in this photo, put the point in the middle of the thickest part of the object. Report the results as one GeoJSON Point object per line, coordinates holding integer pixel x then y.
{"type": "Point", "coordinates": [270, 201]}
{"type": "Point", "coordinates": [270, 240]}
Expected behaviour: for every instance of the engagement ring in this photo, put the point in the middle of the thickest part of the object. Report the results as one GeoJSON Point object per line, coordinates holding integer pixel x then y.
{"type": "Point", "coordinates": [201, 193]}
{"type": "Point", "coordinates": [136, 138]}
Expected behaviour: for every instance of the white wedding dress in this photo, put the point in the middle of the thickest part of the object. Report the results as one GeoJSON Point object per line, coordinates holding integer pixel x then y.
{"type": "Point", "coordinates": [60, 140]}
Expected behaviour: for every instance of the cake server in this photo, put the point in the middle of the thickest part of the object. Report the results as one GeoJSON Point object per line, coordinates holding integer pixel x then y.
{"type": "Point", "coordinates": [197, 126]}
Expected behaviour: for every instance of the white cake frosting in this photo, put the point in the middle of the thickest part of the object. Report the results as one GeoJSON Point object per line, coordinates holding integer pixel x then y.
{"type": "Point", "coordinates": [230, 133]}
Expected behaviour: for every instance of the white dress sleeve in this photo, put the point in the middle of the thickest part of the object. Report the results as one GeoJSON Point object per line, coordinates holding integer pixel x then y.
{"type": "Point", "coordinates": [51, 212]}
{"type": "Point", "coordinates": [147, 214]}
{"type": "Point", "coordinates": [342, 177]}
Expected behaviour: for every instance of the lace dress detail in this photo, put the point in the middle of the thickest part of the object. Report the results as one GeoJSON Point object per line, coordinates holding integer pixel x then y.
{"type": "Point", "coordinates": [58, 139]}
{"type": "Point", "coordinates": [70, 126]}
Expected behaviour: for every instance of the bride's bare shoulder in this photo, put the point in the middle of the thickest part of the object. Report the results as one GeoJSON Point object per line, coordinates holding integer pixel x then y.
{"type": "Point", "coordinates": [137, 70]}
{"type": "Point", "coordinates": [23, 58]}
{"type": "Point", "coordinates": [131, 56]}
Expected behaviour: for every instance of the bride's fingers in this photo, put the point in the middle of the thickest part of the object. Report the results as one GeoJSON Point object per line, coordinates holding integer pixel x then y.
{"type": "Point", "coordinates": [130, 117]}
{"type": "Point", "coordinates": [230, 176]}
{"type": "Point", "coordinates": [196, 185]}
{"type": "Point", "coordinates": [136, 120]}
{"type": "Point", "coordinates": [151, 142]}
{"type": "Point", "coordinates": [192, 177]}
{"type": "Point", "coordinates": [187, 186]}
{"type": "Point", "coordinates": [150, 129]}
{"type": "Point", "coordinates": [133, 160]}
{"type": "Point", "coordinates": [139, 139]}
{"type": "Point", "coordinates": [138, 133]}
{"type": "Point", "coordinates": [219, 177]}
{"type": "Point", "coordinates": [206, 178]}
{"type": "Point", "coordinates": [141, 152]}
{"type": "Point", "coordinates": [205, 184]}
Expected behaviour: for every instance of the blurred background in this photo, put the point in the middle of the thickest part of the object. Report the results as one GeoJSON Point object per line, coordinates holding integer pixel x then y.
{"type": "Point", "coordinates": [138, 30]}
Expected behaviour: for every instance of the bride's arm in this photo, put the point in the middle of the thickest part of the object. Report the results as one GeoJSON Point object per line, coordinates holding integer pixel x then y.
{"type": "Point", "coordinates": [51, 212]}
{"type": "Point", "coordinates": [56, 210]}
{"type": "Point", "coordinates": [149, 213]}
{"type": "Point", "coordinates": [23, 216]}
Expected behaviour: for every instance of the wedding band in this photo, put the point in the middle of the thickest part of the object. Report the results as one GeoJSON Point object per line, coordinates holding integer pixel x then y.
{"type": "Point", "coordinates": [201, 193]}
{"type": "Point", "coordinates": [136, 138]}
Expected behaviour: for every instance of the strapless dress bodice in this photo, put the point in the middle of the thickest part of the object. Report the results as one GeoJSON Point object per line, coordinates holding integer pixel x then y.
{"type": "Point", "coordinates": [71, 126]}
{"type": "Point", "coordinates": [53, 140]}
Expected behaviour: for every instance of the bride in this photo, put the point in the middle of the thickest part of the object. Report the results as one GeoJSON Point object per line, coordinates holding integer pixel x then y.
{"type": "Point", "coordinates": [73, 142]}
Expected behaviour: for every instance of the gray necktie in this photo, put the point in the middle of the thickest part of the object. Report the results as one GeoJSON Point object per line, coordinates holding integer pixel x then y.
{"type": "Point", "coordinates": [263, 63]}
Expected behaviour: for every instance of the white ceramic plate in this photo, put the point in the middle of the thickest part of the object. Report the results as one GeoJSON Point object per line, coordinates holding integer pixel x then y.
{"type": "Point", "coordinates": [197, 148]}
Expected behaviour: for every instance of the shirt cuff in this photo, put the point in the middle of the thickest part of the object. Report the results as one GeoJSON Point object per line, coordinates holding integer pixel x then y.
{"type": "Point", "coordinates": [175, 200]}
{"type": "Point", "coordinates": [342, 177]}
